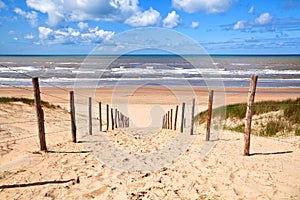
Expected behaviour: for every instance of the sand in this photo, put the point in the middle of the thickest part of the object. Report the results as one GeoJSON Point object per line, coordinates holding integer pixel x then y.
{"type": "Point", "coordinates": [74, 171]}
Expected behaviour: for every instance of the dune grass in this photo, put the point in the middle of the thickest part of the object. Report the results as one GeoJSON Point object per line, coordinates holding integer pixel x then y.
{"type": "Point", "coordinates": [289, 120]}
{"type": "Point", "coordinates": [5, 100]}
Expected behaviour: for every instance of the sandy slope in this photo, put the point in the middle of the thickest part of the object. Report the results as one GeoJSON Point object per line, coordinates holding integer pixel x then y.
{"type": "Point", "coordinates": [71, 171]}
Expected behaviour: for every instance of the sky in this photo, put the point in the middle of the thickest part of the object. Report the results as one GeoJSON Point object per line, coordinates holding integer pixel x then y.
{"type": "Point", "coordinates": [219, 26]}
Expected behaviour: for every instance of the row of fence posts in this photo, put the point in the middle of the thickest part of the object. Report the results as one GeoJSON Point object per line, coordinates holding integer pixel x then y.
{"type": "Point", "coordinates": [167, 118]}
{"type": "Point", "coordinates": [118, 120]}
{"type": "Point", "coordinates": [121, 121]}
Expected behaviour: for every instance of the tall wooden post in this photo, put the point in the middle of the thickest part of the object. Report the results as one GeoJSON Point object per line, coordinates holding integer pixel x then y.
{"type": "Point", "coordinates": [171, 119]}
{"type": "Point", "coordinates": [39, 113]}
{"type": "Point", "coordinates": [209, 113]}
{"type": "Point", "coordinates": [249, 113]}
{"type": "Point", "coordinates": [90, 116]}
{"type": "Point", "coordinates": [175, 120]}
{"type": "Point", "coordinates": [107, 117]}
{"type": "Point", "coordinates": [168, 119]}
{"type": "Point", "coordinates": [182, 117]}
{"type": "Point", "coordinates": [100, 116]}
{"type": "Point", "coordinates": [116, 119]}
{"type": "Point", "coordinates": [72, 113]}
{"type": "Point", "coordinates": [112, 119]}
{"type": "Point", "coordinates": [193, 113]}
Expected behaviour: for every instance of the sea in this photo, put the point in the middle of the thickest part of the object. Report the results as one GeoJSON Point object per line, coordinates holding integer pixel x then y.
{"type": "Point", "coordinates": [274, 71]}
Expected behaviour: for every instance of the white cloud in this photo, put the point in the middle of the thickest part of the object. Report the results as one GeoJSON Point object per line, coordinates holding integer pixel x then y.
{"type": "Point", "coordinates": [83, 26]}
{"type": "Point", "coordinates": [16, 39]}
{"type": "Point", "coordinates": [264, 19]}
{"type": "Point", "coordinates": [29, 36]}
{"type": "Point", "coordinates": [2, 4]}
{"type": "Point", "coordinates": [172, 20]}
{"type": "Point", "coordinates": [209, 6]}
{"type": "Point", "coordinates": [44, 32]}
{"type": "Point", "coordinates": [81, 10]}
{"type": "Point", "coordinates": [194, 24]}
{"type": "Point", "coordinates": [251, 10]}
{"type": "Point", "coordinates": [71, 35]}
{"type": "Point", "coordinates": [31, 16]}
{"type": "Point", "coordinates": [146, 18]}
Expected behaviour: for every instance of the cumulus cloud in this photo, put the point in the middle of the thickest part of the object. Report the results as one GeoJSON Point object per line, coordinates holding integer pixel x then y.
{"type": "Point", "coordinates": [251, 10]}
{"type": "Point", "coordinates": [172, 20]}
{"type": "Point", "coordinates": [194, 24]}
{"type": "Point", "coordinates": [31, 16]}
{"type": "Point", "coordinates": [59, 11]}
{"type": "Point", "coordinates": [211, 6]}
{"type": "Point", "coordinates": [83, 26]}
{"type": "Point", "coordinates": [263, 20]}
{"type": "Point", "coordinates": [70, 35]}
{"type": "Point", "coordinates": [146, 18]}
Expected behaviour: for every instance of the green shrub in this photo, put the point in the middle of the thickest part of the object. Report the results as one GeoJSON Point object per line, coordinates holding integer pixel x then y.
{"type": "Point", "coordinates": [297, 132]}
{"type": "Point", "coordinates": [272, 127]}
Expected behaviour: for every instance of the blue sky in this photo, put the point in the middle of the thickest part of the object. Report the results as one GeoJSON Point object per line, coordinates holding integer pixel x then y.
{"type": "Point", "coordinates": [219, 26]}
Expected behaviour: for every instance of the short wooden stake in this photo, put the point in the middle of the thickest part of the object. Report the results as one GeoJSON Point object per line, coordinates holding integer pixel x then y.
{"type": "Point", "coordinates": [175, 120]}
{"type": "Point", "coordinates": [182, 117]}
{"type": "Point", "coordinates": [249, 113]}
{"type": "Point", "coordinates": [100, 116]}
{"type": "Point", "coordinates": [168, 119]}
{"type": "Point", "coordinates": [39, 113]}
{"type": "Point", "coordinates": [107, 117]}
{"type": "Point", "coordinates": [171, 119]}
{"type": "Point", "coordinates": [112, 119]}
{"type": "Point", "coordinates": [209, 113]}
{"type": "Point", "coordinates": [116, 119]}
{"type": "Point", "coordinates": [193, 113]}
{"type": "Point", "coordinates": [72, 113]}
{"type": "Point", "coordinates": [90, 116]}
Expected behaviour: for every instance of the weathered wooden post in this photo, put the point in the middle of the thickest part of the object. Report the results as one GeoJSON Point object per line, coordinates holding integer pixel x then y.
{"type": "Point", "coordinates": [107, 117]}
{"type": "Point", "coordinates": [249, 113]}
{"type": "Point", "coordinates": [175, 120]}
{"type": "Point", "coordinates": [112, 119]}
{"type": "Point", "coordinates": [116, 119]}
{"type": "Point", "coordinates": [72, 113]}
{"type": "Point", "coordinates": [171, 119]}
{"type": "Point", "coordinates": [90, 116]}
{"type": "Point", "coordinates": [168, 119]}
{"type": "Point", "coordinates": [193, 113]}
{"type": "Point", "coordinates": [163, 122]}
{"type": "Point", "coordinates": [100, 116]}
{"type": "Point", "coordinates": [182, 117]}
{"type": "Point", "coordinates": [39, 113]}
{"type": "Point", "coordinates": [209, 113]}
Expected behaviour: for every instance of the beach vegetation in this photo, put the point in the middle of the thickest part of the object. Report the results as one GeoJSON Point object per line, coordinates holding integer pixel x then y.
{"type": "Point", "coordinates": [5, 100]}
{"type": "Point", "coordinates": [266, 125]}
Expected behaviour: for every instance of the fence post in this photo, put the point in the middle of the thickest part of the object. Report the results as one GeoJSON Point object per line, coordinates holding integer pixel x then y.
{"type": "Point", "coordinates": [182, 117]}
{"type": "Point", "coordinates": [175, 120]}
{"type": "Point", "coordinates": [116, 119]}
{"type": "Point", "coordinates": [168, 119]}
{"type": "Point", "coordinates": [100, 116]}
{"type": "Point", "coordinates": [171, 119]}
{"type": "Point", "coordinates": [193, 113]}
{"type": "Point", "coordinates": [249, 113]}
{"type": "Point", "coordinates": [163, 122]}
{"type": "Point", "coordinates": [209, 113]}
{"type": "Point", "coordinates": [112, 119]}
{"type": "Point", "coordinates": [72, 113]}
{"type": "Point", "coordinates": [107, 117]}
{"type": "Point", "coordinates": [39, 113]}
{"type": "Point", "coordinates": [90, 116]}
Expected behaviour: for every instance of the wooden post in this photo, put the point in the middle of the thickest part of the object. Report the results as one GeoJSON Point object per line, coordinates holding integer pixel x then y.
{"type": "Point", "coordinates": [175, 120]}
{"type": "Point", "coordinates": [90, 116]}
{"type": "Point", "coordinates": [112, 119]}
{"type": "Point", "coordinates": [116, 119]}
{"type": "Point", "coordinates": [182, 117]}
{"type": "Point", "coordinates": [119, 120]}
{"type": "Point", "coordinates": [107, 117]}
{"type": "Point", "coordinates": [209, 112]}
{"type": "Point", "coordinates": [39, 113]}
{"type": "Point", "coordinates": [193, 113]}
{"type": "Point", "coordinates": [163, 122]}
{"type": "Point", "coordinates": [100, 116]}
{"type": "Point", "coordinates": [72, 113]}
{"type": "Point", "coordinates": [168, 119]}
{"type": "Point", "coordinates": [171, 119]}
{"type": "Point", "coordinates": [249, 113]}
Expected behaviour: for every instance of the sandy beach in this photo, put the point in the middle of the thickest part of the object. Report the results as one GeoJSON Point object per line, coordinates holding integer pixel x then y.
{"type": "Point", "coordinates": [73, 171]}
